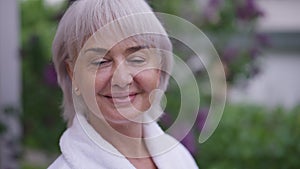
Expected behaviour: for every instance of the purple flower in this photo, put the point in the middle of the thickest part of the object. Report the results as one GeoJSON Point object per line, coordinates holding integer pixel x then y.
{"type": "Point", "coordinates": [263, 39]}
{"type": "Point", "coordinates": [50, 77]}
{"type": "Point", "coordinates": [201, 118]}
{"type": "Point", "coordinates": [248, 10]}
{"type": "Point", "coordinates": [211, 12]}
{"type": "Point", "coordinates": [254, 71]}
{"type": "Point", "coordinates": [183, 132]}
{"type": "Point", "coordinates": [214, 3]}
{"type": "Point", "coordinates": [254, 52]}
{"type": "Point", "coordinates": [189, 141]}
{"type": "Point", "coordinates": [229, 54]}
{"type": "Point", "coordinates": [166, 120]}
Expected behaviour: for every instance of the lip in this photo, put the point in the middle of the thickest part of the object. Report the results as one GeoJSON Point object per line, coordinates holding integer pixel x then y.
{"type": "Point", "coordinates": [120, 98]}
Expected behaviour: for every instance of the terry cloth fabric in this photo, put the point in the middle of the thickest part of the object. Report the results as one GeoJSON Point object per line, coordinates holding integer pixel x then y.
{"type": "Point", "coordinates": [83, 148]}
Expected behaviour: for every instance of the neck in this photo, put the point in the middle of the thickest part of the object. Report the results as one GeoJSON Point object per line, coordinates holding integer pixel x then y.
{"type": "Point", "coordinates": [127, 138]}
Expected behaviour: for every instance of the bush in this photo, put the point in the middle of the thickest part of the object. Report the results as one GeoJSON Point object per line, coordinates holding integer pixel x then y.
{"type": "Point", "coordinates": [41, 97]}
{"type": "Point", "coordinates": [251, 137]}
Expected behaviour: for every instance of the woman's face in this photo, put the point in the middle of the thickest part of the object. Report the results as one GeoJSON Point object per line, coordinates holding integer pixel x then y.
{"type": "Point", "coordinates": [116, 83]}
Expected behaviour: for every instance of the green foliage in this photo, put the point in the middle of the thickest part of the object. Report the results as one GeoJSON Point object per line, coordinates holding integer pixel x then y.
{"type": "Point", "coordinates": [41, 99]}
{"type": "Point", "coordinates": [29, 166]}
{"type": "Point", "coordinates": [230, 25]}
{"type": "Point", "coordinates": [8, 110]}
{"type": "Point", "coordinates": [2, 128]}
{"type": "Point", "coordinates": [248, 137]}
{"type": "Point", "coordinates": [252, 137]}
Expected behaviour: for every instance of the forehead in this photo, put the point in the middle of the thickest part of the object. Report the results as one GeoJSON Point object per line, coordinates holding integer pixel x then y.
{"type": "Point", "coordinates": [109, 41]}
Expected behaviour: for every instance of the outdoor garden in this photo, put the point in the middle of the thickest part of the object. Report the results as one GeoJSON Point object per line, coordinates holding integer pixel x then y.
{"type": "Point", "coordinates": [248, 135]}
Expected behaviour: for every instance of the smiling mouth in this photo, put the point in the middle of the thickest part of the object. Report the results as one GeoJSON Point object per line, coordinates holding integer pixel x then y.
{"type": "Point", "coordinates": [121, 98]}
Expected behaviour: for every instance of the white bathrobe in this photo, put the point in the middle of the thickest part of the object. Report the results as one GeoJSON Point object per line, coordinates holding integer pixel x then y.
{"type": "Point", "coordinates": [83, 148]}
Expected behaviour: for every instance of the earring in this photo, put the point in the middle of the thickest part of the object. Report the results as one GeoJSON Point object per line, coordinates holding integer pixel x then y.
{"type": "Point", "coordinates": [76, 91]}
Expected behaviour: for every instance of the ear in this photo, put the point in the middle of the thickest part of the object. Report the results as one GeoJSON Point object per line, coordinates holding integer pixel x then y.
{"type": "Point", "coordinates": [69, 68]}
{"type": "Point", "coordinates": [159, 78]}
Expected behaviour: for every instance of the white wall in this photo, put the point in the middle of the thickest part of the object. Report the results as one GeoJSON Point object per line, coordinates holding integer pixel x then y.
{"type": "Point", "coordinates": [279, 82]}
{"type": "Point", "coordinates": [10, 82]}
{"type": "Point", "coordinates": [280, 15]}
{"type": "Point", "coordinates": [277, 85]}
{"type": "Point", "coordinates": [9, 53]}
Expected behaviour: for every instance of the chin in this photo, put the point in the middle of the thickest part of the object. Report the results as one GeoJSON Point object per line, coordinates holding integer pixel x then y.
{"type": "Point", "coordinates": [123, 116]}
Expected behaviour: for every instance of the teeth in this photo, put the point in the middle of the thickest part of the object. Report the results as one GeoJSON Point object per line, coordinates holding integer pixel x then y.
{"type": "Point", "coordinates": [121, 99]}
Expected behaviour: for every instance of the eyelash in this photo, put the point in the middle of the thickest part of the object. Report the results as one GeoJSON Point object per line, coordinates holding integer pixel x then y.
{"type": "Point", "coordinates": [106, 62]}
{"type": "Point", "coordinates": [139, 60]}
{"type": "Point", "coordinates": [102, 62]}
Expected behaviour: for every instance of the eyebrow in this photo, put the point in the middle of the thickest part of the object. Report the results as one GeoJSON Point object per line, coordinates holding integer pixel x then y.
{"type": "Point", "coordinates": [129, 50]}
{"type": "Point", "coordinates": [135, 48]}
{"type": "Point", "coordinates": [97, 50]}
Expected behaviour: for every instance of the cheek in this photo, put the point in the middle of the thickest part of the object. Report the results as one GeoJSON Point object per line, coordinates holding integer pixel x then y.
{"type": "Point", "coordinates": [85, 81]}
{"type": "Point", "coordinates": [102, 81]}
{"type": "Point", "coordinates": [148, 80]}
{"type": "Point", "coordinates": [86, 84]}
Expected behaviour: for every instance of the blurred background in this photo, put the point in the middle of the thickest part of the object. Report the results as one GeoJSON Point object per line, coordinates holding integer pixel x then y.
{"type": "Point", "coordinates": [258, 43]}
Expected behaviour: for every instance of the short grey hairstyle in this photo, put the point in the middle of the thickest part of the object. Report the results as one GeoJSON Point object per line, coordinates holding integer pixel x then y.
{"type": "Point", "coordinates": [81, 20]}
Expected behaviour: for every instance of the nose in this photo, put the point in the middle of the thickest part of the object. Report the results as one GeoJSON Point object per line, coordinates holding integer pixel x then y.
{"type": "Point", "coordinates": [121, 77]}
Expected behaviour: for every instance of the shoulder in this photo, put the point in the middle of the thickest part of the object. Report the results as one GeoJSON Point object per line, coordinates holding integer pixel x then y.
{"type": "Point", "coordinates": [176, 156]}
{"type": "Point", "coordinates": [59, 163]}
{"type": "Point", "coordinates": [184, 157]}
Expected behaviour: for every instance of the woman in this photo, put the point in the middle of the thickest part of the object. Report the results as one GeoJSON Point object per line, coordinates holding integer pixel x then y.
{"type": "Point", "coordinates": [113, 60]}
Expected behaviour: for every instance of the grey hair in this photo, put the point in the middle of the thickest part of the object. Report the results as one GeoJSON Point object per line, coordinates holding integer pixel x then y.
{"type": "Point", "coordinates": [81, 20]}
